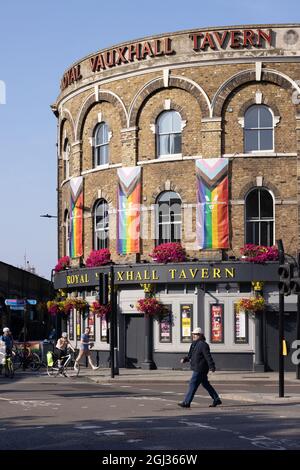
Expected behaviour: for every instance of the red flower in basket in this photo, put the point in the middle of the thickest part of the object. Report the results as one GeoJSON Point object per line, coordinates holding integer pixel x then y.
{"type": "Point", "coordinates": [100, 310]}
{"type": "Point", "coordinates": [259, 253]}
{"type": "Point", "coordinates": [98, 258]}
{"type": "Point", "coordinates": [151, 306]}
{"type": "Point", "coordinates": [62, 263]}
{"type": "Point", "coordinates": [168, 253]}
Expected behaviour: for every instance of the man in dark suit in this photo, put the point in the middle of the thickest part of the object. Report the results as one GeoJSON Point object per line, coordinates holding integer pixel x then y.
{"type": "Point", "coordinates": [201, 362]}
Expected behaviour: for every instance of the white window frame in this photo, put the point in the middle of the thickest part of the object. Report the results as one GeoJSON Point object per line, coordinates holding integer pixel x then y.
{"type": "Point", "coordinates": [259, 219]}
{"type": "Point", "coordinates": [98, 147]}
{"type": "Point", "coordinates": [258, 129]}
{"type": "Point", "coordinates": [158, 224]}
{"type": "Point", "coordinates": [158, 135]}
{"type": "Point", "coordinates": [103, 228]}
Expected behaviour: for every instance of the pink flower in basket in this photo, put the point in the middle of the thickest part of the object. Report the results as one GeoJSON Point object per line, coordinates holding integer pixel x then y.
{"type": "Point", "coordinates": [98, 258]}
{"type": "Point", "coordinates": [62, 263]}
{"type": "Point", "coordinates": [171, 252]}
{"type": "Point", "coordinates": [100, 310]}
{"type": "Point", "coordinates": [53, 307]}
{"type": "Point", "coordinates": [259, 253]}
{"type": "Point", "coordinates": [152, 307]}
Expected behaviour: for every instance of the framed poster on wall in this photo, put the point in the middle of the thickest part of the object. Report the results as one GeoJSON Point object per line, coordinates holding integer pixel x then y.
{"type": "Point", "coordinates": [91, 325]}
{"type": "Point", "coordinates": [186, 323]}
{"type": "Point", "coordinates": [103, 329]}
{"type": "Point", "coordinates": [241, 326]}
{"type": "Point", "coordinates": [217, 323]}
{"type": "Point", "coordinates": [78, 325]}
{"type": "Point", "coordinates": [71, 324]}
{"type": "Point", "coordinates": [165, 327]}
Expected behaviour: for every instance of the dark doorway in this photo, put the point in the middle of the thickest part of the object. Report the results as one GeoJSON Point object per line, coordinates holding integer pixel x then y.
{"type": "Point", "coordinates": [272, 340]}
{"type": "Point", "coordinates": [134, 341]}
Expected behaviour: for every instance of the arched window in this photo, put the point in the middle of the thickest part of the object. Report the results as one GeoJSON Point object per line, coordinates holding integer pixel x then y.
{"type": "Point", "coordinates": [101, 142]}
{"type": "Point", "coordinates": [259, 206]}
{"type": "Point", "coordinates": [258, 129]}
{"type": "Point", "coordinates": [168, 133]}
{"type": "Point", "coordinates": [67, 233]}
{"type": "Point", "coordinates": [168, 217]}
{"type": "Point", "coordinates": [66, 158]}
{"type": "Point", "coordinates": [101, 225]}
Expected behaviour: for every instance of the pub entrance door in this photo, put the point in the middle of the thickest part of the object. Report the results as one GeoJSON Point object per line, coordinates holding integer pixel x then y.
{"type": "Point", "coordinates": [134, 341]}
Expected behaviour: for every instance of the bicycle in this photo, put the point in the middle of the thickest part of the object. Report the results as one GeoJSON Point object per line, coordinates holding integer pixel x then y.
{"type": "Point", "coordinates": [67, 368]}
{"type": "Point", "coordinates": [26, 358]}
{"type": "Point", "coordinates": [7, 363]}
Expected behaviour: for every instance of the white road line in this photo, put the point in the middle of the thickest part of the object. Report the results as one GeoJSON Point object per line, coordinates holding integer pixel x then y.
{"type": "Point", "coordinates": [87, 427]}
{"type": "Point", "coordinates": [110, 432]}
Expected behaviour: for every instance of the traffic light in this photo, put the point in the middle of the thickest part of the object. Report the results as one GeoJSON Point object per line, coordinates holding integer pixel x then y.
{"type": "Point", "coordinates": [295, 285]}
{"type": "Point", "coordinates": [103, 288]}
{"type": "Point", "coordinates": [285, 272]}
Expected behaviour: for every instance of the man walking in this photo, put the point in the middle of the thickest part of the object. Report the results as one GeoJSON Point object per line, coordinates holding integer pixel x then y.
{"type": "Point", "coordinates": [201, 362]}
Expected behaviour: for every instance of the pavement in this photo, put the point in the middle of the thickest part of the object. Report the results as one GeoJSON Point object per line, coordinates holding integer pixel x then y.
{"type": "Point", "coordinates": [292, 385]}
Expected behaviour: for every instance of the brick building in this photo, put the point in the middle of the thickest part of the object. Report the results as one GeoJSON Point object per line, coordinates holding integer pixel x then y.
{"type": "Point", "coordinates": [157, 106]}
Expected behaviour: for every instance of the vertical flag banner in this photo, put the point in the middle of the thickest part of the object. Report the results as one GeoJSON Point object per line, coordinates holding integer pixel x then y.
{"type": "Point", "coordinates": [212, 203]}
{"type": "Point", "coordinates": [76, 217]}
{"type": "Point", "coordinates": [129, 199]}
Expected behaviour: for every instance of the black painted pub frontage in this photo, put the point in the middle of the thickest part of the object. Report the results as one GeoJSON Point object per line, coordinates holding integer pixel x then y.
{"type": "Point", "coordinates": [204, 294]}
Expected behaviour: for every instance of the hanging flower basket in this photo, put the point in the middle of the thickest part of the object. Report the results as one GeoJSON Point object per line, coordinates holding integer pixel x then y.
{"type": "Point", "coordinates": [66, 306]}
{"type": "Point", "coordinates": [79, 303]}
{"type": "Point", "coordinates": [259, 253]}
{"type": "Point", "coordinates": [168, 253]}
{"type": "Point", "coordinates": [53, 307]}
{"type": "Point", "coordinates": [100, 310]}
{"type": "Point", "coordinates": [98, 258]}
{"type": "Point", "coordinates": [62, 264]}
{"type": "Point", "coordinates": [152, 307]}
{"type": "Point", "coordinates": [252, 304]}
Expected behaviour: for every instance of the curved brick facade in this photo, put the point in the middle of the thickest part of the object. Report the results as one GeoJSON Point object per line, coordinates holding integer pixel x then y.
{"type": "Point", "coordinates": [211, 77]}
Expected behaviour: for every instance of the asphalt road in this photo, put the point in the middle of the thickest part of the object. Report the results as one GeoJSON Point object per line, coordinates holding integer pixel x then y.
{"type": "Point", "coordinates": [43, 413]}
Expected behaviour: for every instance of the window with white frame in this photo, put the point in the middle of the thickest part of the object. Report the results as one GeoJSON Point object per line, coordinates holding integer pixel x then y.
{"type": "Point", "coordinates": [66, 158]}
{"type": "Point", "coordinates": [259, 207]}
{"type": "Point", "coordinates": [258, 129]}
{"type": "Point", "coordinates": [101, 225]}
{"type": "Point", "coordinates": [67, 233]}
{"type": "Point", "coordinates": [168, 207]}
{"type": "Point", "coordinates": [168, 133]}
{"type": "Point", "coordinates": [101, 144]}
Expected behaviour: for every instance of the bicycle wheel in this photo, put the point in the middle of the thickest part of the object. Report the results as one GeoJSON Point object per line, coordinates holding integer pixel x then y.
{"type": "Point", "coordinates": [17, 361]}
{"type": "Point", "coordinates": [53, 371]}
{"type": "Point", "coordinates": [35, 362]}
{"type": "Point", "coordinates": [9, 368]}
{"type": "Point", "coordinates": [72, 371]}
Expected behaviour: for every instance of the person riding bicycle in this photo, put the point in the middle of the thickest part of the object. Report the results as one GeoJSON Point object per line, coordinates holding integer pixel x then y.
{"type": "Point", "coordinates": [61, 347]}
{"type": "Point", "coordinates": [7, 340]}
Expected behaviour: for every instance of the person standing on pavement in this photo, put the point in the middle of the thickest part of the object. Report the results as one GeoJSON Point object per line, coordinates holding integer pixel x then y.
{"type": "Point", "coordinates": [201, 362]}
{"type": "Point", "coordinates": [85, 346]}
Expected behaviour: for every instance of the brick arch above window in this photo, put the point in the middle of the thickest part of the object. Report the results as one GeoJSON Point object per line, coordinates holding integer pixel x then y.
{"type": "Point", "coordinates": [161, 108]}
{"type": "Point", "coordinates": [91, 101]}
{"type": "Point", "coordinates": [102, 196]}
{"type": "Point", "coordinates": [65, 117]}
{"type": "Point", "coordinates": [253, 185]}
{"type": "Point", "coordinates": [247, 77]}
{"type": "Point", "coordinates": [158, 84]}
{"type": "Point", "coordinates": [167, 186]}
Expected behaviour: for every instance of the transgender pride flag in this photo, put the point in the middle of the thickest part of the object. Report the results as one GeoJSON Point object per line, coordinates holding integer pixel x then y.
{"type": "Point", "coordinates": [212, 203]}
{"type": "Point", "coordinates": [76, 219]}
{"type": "Point", "coordinates": [129, 199]}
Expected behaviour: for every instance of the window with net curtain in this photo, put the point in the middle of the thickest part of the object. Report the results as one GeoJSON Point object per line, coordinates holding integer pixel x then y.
{"type": "Point", "coordinates": [168, 227]}
{"type": "Point", "coordinates": [101, 144]}
{"type": "Point", "coordinates": [259, 206]}
{"type": "Point", "coordinates": [66, 158]}
{"type": "Point", "coordinates": [168, 133]}
{"type": "Point", "coordinates": [258, 129]}
{"type": "Point", "coordinates": [101, 225]}
{"type": "Point", "coordinates": [67, 233]}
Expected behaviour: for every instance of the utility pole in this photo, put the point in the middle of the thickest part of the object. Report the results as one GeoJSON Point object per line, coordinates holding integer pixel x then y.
{"type": "Point", "coordinates": [281, 321]}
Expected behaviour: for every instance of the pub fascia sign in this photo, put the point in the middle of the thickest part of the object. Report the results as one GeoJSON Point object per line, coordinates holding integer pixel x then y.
{"type": "Point", "coordinates": [154, 275]}
{"type": "Point", "coordinates": [200, 42]}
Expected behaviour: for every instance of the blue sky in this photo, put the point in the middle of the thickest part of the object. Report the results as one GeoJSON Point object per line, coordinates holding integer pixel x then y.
{"type": "Point", "coordinates": [38, 41]}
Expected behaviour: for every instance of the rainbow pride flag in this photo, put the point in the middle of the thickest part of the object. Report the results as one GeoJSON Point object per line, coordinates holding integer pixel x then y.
{"type": "Point", "coordinates": [212, 203]}
{"type": "Point", "coordinates": [129, 199]}
{"type": "Point", "coordinates": [76, 219]}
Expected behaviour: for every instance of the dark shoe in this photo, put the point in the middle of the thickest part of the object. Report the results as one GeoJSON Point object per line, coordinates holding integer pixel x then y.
{"type": "Point", "coordinates": [215, 403]}
{"type": "Point", "coordinates": [184, 405]}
